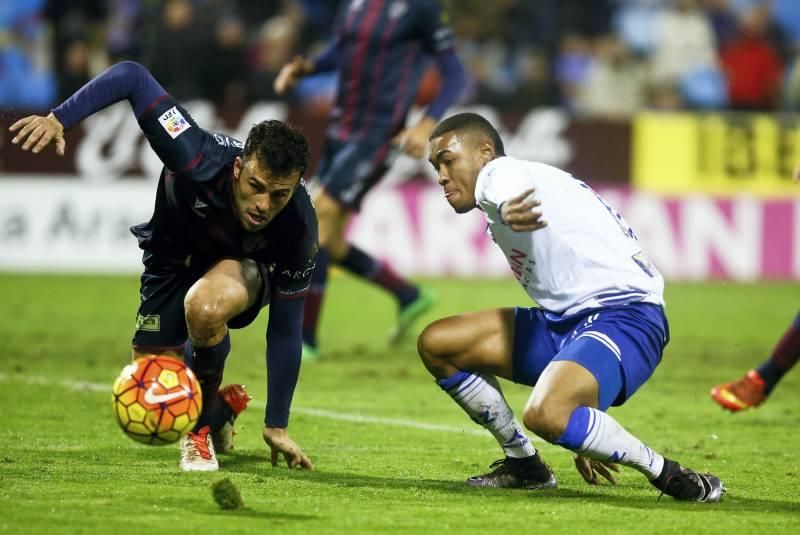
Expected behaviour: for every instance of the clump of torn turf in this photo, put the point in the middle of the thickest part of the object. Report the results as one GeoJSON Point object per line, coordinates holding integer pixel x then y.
{"type": "Point", "coordinates": [226, 495]}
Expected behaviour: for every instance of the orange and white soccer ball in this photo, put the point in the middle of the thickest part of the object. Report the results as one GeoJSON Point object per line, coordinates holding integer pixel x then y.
{"type": "Point", "coordinates": [156, 400]}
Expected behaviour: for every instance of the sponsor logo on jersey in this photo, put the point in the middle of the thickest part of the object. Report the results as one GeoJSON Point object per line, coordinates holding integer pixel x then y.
{"type": "Point", "coordinates": [173, 122]}
{"type": "Point", "coordinates": [148, 323]}
{"type": "Point", "coordinates": [299, 274]}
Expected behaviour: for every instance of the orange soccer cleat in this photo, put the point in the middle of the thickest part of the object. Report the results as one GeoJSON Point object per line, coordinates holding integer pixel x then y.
{"type": "Point", "coordinates": [236, 398]}
{"type": "Point", "coordinates": [748, 392]}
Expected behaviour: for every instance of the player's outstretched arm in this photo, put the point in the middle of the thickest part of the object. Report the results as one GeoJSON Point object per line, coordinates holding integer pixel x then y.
{"type": "Point", "coordinates": [284, 349]}
{"type": "Point", "coordinates": [414, 140]}
{"type": "Point", "coordinates": [279, 442]}
{"type": "Point", "coordinates": [36, 132]}
{"type": "Point", "coordinates": [292, 72]}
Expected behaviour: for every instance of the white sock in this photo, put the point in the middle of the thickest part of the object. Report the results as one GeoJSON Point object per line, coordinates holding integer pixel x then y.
{"type": "Point", "coordinates": [482, 399]}
{"type": "Point", "coordinates": [595, 434]}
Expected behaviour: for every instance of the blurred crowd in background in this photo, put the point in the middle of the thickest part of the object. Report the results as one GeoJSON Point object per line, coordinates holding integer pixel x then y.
{"type": "Point", "coordinates": [592, 57]}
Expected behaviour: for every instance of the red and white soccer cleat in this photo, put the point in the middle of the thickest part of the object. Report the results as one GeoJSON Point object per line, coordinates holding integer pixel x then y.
{"type": "Point", "coordinates": [237, 398]}
{"type": "Point", "coordinates": [197, 452]}
{"type": "Point", "coordinates": [746, 393]}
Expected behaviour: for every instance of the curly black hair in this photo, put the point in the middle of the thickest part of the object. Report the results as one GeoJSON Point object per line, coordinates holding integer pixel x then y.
{"type": "Point", "coordinates": [277, 146]}
{"type": "Point", "coordinates": [470, 122]}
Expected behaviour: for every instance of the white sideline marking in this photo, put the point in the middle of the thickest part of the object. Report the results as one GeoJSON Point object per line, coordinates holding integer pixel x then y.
{"type": "Point", "coordinates": [398, 422]}
{"type": "Point", "coordinates": [84, 386]}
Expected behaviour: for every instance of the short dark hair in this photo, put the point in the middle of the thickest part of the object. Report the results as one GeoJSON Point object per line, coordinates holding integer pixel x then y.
{"type": "Point", "coordinates": [470, 122]}
{"type": "Point", "coordinates": [277, 146]}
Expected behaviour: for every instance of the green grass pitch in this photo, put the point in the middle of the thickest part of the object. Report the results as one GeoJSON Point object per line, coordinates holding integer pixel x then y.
{"type": "Point", "coordinates": [361, 412]}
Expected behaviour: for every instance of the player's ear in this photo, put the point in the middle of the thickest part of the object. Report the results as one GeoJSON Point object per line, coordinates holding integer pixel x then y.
{"type": "Point", "coordinates": [486, 150]}
{"type": "Point", "coordinates": [237, 167]}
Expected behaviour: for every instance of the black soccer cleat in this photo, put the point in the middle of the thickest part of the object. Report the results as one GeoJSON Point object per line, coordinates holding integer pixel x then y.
{"type": "Point", "coordinates": [528, 473]}
{"type": "Point", "coordinates": [685, 484]}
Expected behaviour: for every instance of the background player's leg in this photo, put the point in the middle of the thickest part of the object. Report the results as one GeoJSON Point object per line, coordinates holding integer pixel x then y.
{"type": "Point", "coordinates": [753, 389]}
{"type": "Point", "coordinates": [464, 353]}
{"type": "Point", "coordinates": [784, 357]}
{"type": "Point", "coordinates": [333, 217]}
{"type": "Point", "coordinates": [223, 292]}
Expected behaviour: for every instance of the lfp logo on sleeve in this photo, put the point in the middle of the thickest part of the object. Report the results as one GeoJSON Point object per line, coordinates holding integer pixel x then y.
{"type": "Point", "coordinates": [173, 122]}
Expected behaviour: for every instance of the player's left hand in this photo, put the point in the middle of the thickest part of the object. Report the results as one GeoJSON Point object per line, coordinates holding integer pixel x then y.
{"type": "Point", "coordinates": [414, 140]}
{"type": "Point", "coordinates": [278, 440]}
{"type": "Point", "coordinates": [590, 468]}
{"type": "Point", "coordinates": [38, 131]}
{"type": "Point", "coordinates": [519, 214]}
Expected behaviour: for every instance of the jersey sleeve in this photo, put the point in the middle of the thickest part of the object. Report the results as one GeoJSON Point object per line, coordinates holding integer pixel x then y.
{"type": "Point", "coordinates": [297, 249]}
{"type": "Point", "coordinates": [434, 28]}
{"type": "Point", "coordinates": [505, 179]}
{"type": "Point", "coordinates": [185, 148]}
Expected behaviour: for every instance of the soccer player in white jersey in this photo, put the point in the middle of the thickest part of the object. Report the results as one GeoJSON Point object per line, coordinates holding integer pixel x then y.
{"type": "Point", "coordinates": [597, 337]}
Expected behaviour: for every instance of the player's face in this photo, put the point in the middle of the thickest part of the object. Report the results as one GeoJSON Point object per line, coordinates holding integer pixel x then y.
{"type": "Point", "coordinates": [458, 160]}
{"type": "Point", "coordinates": [258, 194]}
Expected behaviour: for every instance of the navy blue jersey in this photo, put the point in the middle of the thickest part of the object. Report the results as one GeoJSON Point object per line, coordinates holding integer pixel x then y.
{"type": "Point", "coordinates": [385, 48]}
{"type": "Point", "coordinates": [194, 219]}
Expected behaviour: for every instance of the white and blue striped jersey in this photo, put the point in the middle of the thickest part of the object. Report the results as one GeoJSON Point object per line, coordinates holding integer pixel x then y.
{"type": "Point", "coordinates": [586, 257]}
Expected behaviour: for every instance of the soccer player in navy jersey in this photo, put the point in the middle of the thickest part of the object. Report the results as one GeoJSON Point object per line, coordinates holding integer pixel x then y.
{"type": "Point", "coordinates": [381, 49]}
{"type": "Point", "coordinates": [233, 229]}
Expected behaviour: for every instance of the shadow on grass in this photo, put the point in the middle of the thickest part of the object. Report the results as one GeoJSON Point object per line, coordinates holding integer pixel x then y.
{"type": "Point", "coordinates": [645, 498]}
{"type": "Point", "coordinates": [246, 512]}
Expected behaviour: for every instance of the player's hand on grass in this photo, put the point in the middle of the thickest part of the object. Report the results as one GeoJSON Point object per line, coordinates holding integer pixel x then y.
{"type": "Point", "coordinates": [589, 469]}
{"type": "Point", "coordinates": [414, 140]}
{"type": "Point", "coordinates": [279, 442]}
{"type": "Point", "coordinates": [38, 131]}
{"type": "Point", "coordinates": [291, 73]}
{"type": "Point", "coordinates": [519, 214]}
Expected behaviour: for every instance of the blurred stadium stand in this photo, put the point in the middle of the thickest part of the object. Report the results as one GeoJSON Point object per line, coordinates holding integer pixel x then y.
{"type": "Point", "coordinates": [683, 108]}
{"type": "Point", "coordinates": [570, 53]}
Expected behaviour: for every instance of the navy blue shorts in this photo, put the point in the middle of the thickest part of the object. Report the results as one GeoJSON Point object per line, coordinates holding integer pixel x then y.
{"type": "Point", "coordinates": [349, 169]}
{"type": "Point", "coordinates": [160, 321]}
{"type": "Point", "coordinates": [621, 346]}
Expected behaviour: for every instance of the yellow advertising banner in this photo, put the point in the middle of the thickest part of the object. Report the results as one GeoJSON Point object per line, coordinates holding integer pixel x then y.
{"type": "Point", "coordinates": [720, 153]}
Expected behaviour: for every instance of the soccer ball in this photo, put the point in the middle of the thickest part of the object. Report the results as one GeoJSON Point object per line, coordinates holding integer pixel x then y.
{"type": "Point", "coordinates": [156, 400]}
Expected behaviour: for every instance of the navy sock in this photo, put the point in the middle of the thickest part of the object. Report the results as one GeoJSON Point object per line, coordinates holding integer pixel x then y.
{"type": "Point", "coordinates": [784, 356]}
{"type": "Point", "coordinates": [208, 365]}
{"type": "Point", "coordinates": [313, 303]}
{"type": "Point", "coordinates": [363, 265]}
{"type": "Point", "coordinates": [771, 373]}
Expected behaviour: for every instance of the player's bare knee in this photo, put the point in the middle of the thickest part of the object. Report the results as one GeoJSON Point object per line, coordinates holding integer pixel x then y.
{"type": "Point", "coordinates": [546, 417]}
{"type": "Point", "coordinates": [432, 346]}
{"type": "Point", "coordinates": [206, 314]}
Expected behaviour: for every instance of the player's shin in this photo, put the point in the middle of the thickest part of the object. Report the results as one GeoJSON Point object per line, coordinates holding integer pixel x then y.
{"type": "Point", "coordinates": [208, 364]}
{"type": "Point", "coordinates": [595, 434]}
{"type": "Point", "coordinates": [784, 357]}
{"type": "Point", "coordinates": [313, 302]}
{"type": "Point", "coordinates": [482, 399]}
